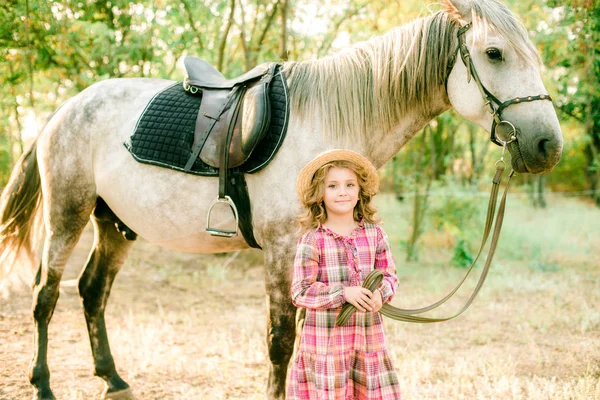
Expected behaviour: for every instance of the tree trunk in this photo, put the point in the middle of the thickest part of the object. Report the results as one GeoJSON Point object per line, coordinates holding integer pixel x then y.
{"type": "Point", "coordinates": [420, 201]}
{"type": "Point", "coordinates": [540, 191]}
{"type": "Point", "coordinates": [221, 51]}
{"type": "Point", "coordinates": [190, 17]}
{"type": "Point", "coordinates": [13, 92]}
{"type": "Point", "coordinates": [529, 181]}
{"type": "Point", "coordinates": [536, 190]}
{"type": "Point", "coordinates": [259, 43]}
{"type": "Point", "coordinates": [29, 57]}
{"type": "Point", "coordinates": [593, 167]}
{"type": "Point", "coordinates": [591, 122]}
{"type": "Point", "coordinates": [535, 185]}
{"type": "Point", "coordinates": [397, 183]}
{"type": "Point", "coordinates": [283, 52]}
{"type": "Point", "coordinates": [247, 57]}
{"type": "Point", "coordinates": [472, 147]}
{"type": "Point", "coordinates": [592, 152]}
{"type": "Point", "coordinates": [9, 144]}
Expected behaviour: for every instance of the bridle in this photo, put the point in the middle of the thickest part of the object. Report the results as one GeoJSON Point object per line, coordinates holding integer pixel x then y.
{"type": "Point", "coordinates": [489, 99]}
{"type": "Point", "coordinates": [375, 277]}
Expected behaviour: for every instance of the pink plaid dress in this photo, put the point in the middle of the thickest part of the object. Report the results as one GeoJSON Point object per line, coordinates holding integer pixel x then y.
{"type": "Point", "coordinates": [351, 361]}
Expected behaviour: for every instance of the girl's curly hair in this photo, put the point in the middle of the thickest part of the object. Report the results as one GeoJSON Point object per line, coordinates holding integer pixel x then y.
{"type": "Point", "coordinates": [314, 213]}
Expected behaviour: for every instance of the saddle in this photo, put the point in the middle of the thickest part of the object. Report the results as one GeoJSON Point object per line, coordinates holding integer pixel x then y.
{"type": "Point", "coordinates": [233, 118]}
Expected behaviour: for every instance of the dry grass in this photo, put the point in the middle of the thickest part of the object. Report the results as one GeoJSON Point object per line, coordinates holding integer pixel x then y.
{"type": "Point", "coordinates": [182, 327]}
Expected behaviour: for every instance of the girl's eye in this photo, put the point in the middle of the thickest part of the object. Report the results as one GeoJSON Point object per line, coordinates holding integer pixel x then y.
{"type": "Point", "coordinates": [332, 186]}
{"type": "Point", "coordinates": [350, 185]}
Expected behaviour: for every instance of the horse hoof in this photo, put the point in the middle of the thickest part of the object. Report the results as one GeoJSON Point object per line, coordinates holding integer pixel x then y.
{"type": "Point", "coordinates": [43, 395]}
{"type": "Point", "coordinates": [125, 394]}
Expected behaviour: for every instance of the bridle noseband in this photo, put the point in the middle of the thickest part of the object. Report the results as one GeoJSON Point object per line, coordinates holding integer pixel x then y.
{"type": "Point", "coordinates": [488, 97]}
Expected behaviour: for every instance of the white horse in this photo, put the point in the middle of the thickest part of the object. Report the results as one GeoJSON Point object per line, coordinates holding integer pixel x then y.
{"type": "Point", "coordinates": [372, 98]}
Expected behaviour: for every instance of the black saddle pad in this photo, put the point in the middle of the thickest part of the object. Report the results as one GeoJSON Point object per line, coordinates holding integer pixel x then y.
{"type": "Point", "coordinates": [164, 133]}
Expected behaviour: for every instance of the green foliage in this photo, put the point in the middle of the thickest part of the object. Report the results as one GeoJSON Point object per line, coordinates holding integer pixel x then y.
{"type": "Point", "coordinates": [572, 49]}
{"type": "Point", "coordinates": [455, 214]}
{"type": "Point", "coordinates": [460, 217]}
{"type": "Point", "coordinates": [570, 173]}
{"type": "Point", "coordinates": [461, 258]}
{"type": "Point", "coordinates": [49, 51]}
{"type": "Point", "coordinates": [5, 162]}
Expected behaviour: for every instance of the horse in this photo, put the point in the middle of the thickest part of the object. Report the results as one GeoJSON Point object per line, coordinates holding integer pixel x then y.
{"type": "Point", "coordinates": [372, 98]}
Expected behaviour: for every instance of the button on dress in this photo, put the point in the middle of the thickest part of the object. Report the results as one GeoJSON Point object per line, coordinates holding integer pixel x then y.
{"type": "Point", "coordinates": [351, 361]}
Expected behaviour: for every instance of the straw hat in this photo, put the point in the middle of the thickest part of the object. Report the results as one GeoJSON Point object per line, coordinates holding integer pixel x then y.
{"type": "Point", "coordinates": [308, 172]}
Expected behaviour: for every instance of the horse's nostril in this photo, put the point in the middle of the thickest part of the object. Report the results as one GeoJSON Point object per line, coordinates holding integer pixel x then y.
{"type": "Point", "coordinates": [542, 147]}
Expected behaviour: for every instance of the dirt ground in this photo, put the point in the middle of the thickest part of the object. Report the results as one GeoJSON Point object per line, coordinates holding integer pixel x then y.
{"type": "Point", "coordinates": [185, 326]}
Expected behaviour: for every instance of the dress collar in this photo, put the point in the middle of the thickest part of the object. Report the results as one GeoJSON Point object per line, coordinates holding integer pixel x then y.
{"type": "Point", "coordinates": [326, 230]}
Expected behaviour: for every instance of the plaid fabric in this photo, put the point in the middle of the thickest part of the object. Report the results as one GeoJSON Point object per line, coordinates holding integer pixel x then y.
{"type": "Point", "coordinates": [351, 361]}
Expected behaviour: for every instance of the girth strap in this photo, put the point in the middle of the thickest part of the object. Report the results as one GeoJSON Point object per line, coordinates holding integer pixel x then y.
{"type": "Point", "coordinates": [375, 277]}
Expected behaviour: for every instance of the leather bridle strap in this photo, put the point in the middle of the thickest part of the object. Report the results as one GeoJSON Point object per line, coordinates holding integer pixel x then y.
{"type": "Point", "coordinates": [373, 280]}
{"type": "Point", "coordinates": [488, 97]}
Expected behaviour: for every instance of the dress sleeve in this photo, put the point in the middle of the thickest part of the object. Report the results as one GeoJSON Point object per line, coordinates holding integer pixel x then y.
{"type": "Point", "coordinates": [307, 292]}
{"type": "Point", "coordinates": [384, 261]}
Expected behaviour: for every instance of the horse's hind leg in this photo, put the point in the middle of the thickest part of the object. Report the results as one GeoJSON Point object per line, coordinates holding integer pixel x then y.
{"type": "Point", "coordinates": [108, 255]}
{"type": "Point", "coordinates": [67, 211]}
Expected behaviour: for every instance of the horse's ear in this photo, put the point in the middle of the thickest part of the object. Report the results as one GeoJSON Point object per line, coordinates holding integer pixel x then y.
{"type": "Point", "coordinates": [459, 9]}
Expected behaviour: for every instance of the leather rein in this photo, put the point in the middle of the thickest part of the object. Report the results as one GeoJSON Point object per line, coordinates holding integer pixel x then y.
{"type": "Point", "coordinates": [375, 277]}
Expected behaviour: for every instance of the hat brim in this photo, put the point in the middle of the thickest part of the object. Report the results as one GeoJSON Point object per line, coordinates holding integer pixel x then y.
{"type": "Point", "coordinates": [308, 172]}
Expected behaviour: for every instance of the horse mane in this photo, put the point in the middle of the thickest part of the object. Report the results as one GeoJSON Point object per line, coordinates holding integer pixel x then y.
{"type": "Point", "coordinates": [493, 16]}
{"type": "Point", "coordinates": [372, 84]}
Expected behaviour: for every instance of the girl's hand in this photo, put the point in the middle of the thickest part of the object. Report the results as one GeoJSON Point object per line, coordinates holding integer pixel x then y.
{"type": "Point", "coordinates": [360, 297]}
{"type": "Point", "coordinates": [377, 300]}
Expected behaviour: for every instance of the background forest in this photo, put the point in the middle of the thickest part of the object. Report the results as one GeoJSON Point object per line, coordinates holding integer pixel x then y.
{"type": "Point", "coordinates": [532, 333]}
{"type": "Point", "coordinates": [51, 50]}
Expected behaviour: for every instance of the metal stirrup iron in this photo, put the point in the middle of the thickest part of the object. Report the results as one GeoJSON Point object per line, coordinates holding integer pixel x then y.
{"type": "Point", "coordinates": [222, 232]}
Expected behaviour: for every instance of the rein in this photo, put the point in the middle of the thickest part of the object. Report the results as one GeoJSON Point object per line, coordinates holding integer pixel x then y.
{"type": "Point", "coordinates": [375, 277]}
{"type": "Point", "coordinates": [373, 280]}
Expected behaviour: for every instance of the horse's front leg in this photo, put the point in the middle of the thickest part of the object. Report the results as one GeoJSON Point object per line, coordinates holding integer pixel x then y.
{"type": "Point", "coordinates": [279, 259]}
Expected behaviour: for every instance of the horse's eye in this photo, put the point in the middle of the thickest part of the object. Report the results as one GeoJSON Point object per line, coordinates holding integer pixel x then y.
{"type": "Point", "coordinates": [494, 54]}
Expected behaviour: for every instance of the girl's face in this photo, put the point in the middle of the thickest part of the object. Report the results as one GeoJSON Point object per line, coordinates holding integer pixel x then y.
{"type": "Point", "coordinates": [341, 191]}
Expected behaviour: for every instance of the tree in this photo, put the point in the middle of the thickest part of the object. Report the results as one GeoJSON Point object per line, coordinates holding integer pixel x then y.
{"type": "Point", "coordinates": [573, 48]}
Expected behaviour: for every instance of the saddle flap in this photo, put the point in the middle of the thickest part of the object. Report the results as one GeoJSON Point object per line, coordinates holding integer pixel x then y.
{"type": "Point", "coordinates": [256, 118]}
{"type": "Point", "coordinates": [249, 121]}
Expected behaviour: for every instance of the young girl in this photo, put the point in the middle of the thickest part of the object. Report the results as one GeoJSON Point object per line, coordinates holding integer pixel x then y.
{"type": "Point", "coordinates": [341, 244]}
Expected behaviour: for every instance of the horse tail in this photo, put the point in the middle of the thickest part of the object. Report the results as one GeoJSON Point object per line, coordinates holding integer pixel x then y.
{"type": "Point", "coordinates": [20, 212]}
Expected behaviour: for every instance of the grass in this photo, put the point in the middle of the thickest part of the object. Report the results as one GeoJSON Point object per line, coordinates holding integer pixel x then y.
{"type": "Point", "coordinates": [185, 326]}
{"type": "Point", "coordinates": [533, 331]}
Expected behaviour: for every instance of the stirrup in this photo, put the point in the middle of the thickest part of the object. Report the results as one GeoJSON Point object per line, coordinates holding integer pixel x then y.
{"type": "Point", "coordinates": [222, 232]}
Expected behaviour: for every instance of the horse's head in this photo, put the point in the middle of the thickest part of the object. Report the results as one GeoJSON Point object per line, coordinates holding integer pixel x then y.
{"type": "Point", "coordinates": [501, 66]}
